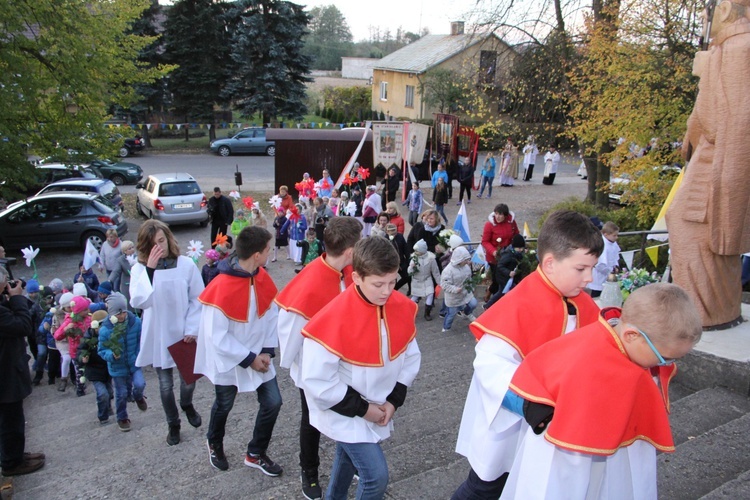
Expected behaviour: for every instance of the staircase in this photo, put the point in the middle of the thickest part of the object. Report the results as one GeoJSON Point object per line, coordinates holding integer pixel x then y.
{"type": "Point", "coordinates": [85, 460]}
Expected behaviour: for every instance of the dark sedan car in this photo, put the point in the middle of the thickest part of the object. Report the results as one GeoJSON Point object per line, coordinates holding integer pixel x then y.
{"type": "Point", "coordinates": [118, 172]}
{"type": "Point", "coordinates": [103, 187]}
{"type": "Point", "coordinates": [59, 220]}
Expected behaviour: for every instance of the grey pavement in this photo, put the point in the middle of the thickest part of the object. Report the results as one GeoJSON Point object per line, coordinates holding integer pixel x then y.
{"type": "Point", "coordinates": [85, 460]}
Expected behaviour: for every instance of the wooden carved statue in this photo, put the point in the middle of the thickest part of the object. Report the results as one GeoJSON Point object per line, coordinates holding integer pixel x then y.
{"type": "Point", "coordinates": [709, 219]}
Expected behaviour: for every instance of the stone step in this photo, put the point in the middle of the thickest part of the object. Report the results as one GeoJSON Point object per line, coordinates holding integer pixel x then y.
{"type": "Point", "coordinates": [701, 465]}
{"type": "Point", "coordinates": [704, 410]}
{"type": "Point", "coordinates": [736, 488]}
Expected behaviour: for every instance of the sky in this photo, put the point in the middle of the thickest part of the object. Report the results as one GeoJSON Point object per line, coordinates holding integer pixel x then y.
{"type": "Point", "coordinates": [411, 15]}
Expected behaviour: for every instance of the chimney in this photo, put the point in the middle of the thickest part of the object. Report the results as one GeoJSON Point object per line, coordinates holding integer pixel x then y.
{"type": "Point", "coordinates": [457, 28]}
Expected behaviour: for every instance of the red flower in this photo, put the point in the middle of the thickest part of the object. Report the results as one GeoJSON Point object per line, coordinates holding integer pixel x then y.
{"type": "Point", "coordinates": [294, 214]}
{"type": "Point", "coordinates": [299, 186]}
{"type": "Point", "coordinates": [324, 184]}
{"type": "Point", "coordinates": [364, 173]}
{"type": "Point", "coordinates": [348, 180]}
{"type": "Point", "coordinates": [248, 201]}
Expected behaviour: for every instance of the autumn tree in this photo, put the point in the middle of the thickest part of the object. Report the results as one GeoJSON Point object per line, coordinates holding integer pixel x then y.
{"type": "Point", "coordinates": [441, 88]}
{"type": "Point", "coordinates": [62, 66]}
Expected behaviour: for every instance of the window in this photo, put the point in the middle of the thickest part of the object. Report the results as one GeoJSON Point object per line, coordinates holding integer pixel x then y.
{"type": "Point", "coordinates": [409, 96]}
{"type": "Point", "coordinates": [383, 91]}
{"type": "Point", "coordinates": [67, 208]}
{"type": "Point", "coordinates": [487, 66]}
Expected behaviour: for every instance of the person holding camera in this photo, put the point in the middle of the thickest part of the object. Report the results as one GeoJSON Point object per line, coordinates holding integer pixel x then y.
{"type": "Point", "coordinates": [15, 324]}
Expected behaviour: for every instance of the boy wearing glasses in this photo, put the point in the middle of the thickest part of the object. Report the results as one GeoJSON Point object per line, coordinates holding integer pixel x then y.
{"type": "Point", "coordinates": [546, 305]}
{"type": "Point", "coordinates": [606, 430]}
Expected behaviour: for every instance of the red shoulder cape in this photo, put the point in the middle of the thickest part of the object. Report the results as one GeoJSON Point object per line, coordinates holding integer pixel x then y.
{"type": "Point", "coordinates": [231, 294]}
{"type": "Point", "coordinates": [349, 327]}
{"type": "Point", "coordinates": [313, 288]}
{"type": "Point", "coordinates": [532, 314]}
{"type": "Point", "coordinates": [603, 401]}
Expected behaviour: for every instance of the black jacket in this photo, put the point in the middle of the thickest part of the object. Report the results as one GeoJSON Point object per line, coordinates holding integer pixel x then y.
{"type": "Point", "coordinates": [15, 326]}
{"type": "Point", "coordinates": [96, 368]}
{"type": "Point", "coordinates": [221, 210]}
{"type": "Point", "coordinates": [507, 261]}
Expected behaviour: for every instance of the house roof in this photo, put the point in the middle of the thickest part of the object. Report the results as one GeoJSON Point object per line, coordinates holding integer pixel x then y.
{"type": "Point", "coordinates": [429, 51]}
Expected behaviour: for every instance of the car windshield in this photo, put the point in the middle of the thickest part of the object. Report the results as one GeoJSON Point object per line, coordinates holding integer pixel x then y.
{"type": "Point", "coordinates": [182, 188]}
{"type": "Point", "coordinates": [108, 190]}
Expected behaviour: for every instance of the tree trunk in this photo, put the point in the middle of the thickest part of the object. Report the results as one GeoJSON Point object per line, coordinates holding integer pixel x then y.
{"type": "Point", "coordinates": [212, 133]}
{"type": "Point", "coordinates": [593, 174]}
{"type": "Point", "coordinates": [602, 174]}
{"type": "Point", "coordinates": [146, 137]}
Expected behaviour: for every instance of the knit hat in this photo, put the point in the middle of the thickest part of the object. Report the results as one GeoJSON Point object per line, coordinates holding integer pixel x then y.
{"type": "Point", "coordinates": [105, 287]}
{"type": "Point", "coordinates": [460, 254]}
{"type": "Point", "coordinates": [455, 241]}
{"type": "Point", "coordinates": [65, 299]}
{"type": "Point", "coordinates": [212, 254]}
{"type": "Point", "coordinates": [79, 289]}
{"type": "Point", "coordinates": [56, 285]}
{"type": "Point", "coordinates": [420, 246]}
{"type": "Point", "coordinates": [240, 212]}
{"type": "Point", "coordinates": [32, 286]}
{"type": "Point", "coordinates": [518, 242]}
{"type": "Point", "coordinates": [344, 194]}
{"type": "Point", "coordinates": [116, 303]}
{"type": "Point", "coordinates": [79, 304]}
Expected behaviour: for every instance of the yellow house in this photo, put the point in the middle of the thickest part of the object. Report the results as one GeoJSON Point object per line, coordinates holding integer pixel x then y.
{"type": "Point", "coordinates": [397, 78]}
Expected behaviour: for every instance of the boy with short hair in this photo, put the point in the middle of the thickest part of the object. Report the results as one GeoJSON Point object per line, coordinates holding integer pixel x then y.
{"type": "Point", "coordinates": [605, 388]}
{"type": "Point", "coordinates": [608, 260]}
{"type": "Point", "coordinates": [362, 353]}
{"type": "Point", "coordinates": [312, 248]}
{"type": "Point", "coordinates": [544, 306]}
{"type": "Point", "coordinates": [236, 341]}
{"type": "Point", "coordinates": [303, 297]}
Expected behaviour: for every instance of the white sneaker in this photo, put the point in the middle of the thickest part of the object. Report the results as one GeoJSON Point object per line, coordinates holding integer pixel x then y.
{"type": "Point", "coordinates": [444, 330]}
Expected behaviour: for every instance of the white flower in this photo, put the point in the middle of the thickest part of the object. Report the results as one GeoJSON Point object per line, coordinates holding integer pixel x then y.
{"type": "Point", "coordinates": [132, 259]}
{"type": "Point", "coordinates": [275, 201]}
{"type": "Point", "coordinates": [351, 209]}
{"type": "Point", "coordinates": [113, 319]}
{"type": "Point", "coordinates": [29, 254]}
{"type": "Point", "coordinates": [483, 275]}
{"type": "Point", "coordinates": [83, 379]}
{"type": "Point", "coordinates": [499, 240]}
{"type": "Point", "coordinates": [195, 249]}
{"type": "Point", "coordinates": [95, 324]}
{"type": "Point", "coordinates": [234, 194]}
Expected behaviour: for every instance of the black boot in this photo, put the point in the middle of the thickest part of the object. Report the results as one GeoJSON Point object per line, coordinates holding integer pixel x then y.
{"type": "Point", "coordinates": [192, 416]}
{"type": "Point", "coordinates": [38, 378]}
{"type": "Point", "coordinates": [173, 437]}
{"type": "Point", "coordinates": [427, 310]}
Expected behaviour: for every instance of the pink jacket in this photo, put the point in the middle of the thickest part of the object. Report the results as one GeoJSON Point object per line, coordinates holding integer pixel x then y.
{"type": "Point", "coordinates": [75, 340]}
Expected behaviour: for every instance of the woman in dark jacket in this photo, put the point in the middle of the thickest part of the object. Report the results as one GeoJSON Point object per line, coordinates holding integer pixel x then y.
{"type": "Point", "coordinates": [390, 186]}
{"type": "Point", "coordinates": [399, 243]}
{"type": "Point", "coordinates": [428, 230]}
{"type": "Point", "coordinates": [465, 181]}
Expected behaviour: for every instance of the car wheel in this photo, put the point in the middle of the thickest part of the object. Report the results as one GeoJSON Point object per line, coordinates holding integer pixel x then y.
{"type": "Point", "coordinates": [124, 152]}
{"type": "Point", "coordinates": [271, 150]}
{"type": "Point", "coordinates": [224, 151]}
{"type": "Point", "coordinates": [204, 223]}
{"type": "Point", "coordinates": [96, 237]}
{"type": "Point", "coordinates": [138, 208]}
{"type": "Point", "coordinates": [118, 179]}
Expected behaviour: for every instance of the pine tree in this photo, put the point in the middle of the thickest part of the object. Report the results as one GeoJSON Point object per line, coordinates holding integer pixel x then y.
{"type": "Point", "coordinates": [270, 70]}
{"type": "Point", "coordinates": [196, 41]}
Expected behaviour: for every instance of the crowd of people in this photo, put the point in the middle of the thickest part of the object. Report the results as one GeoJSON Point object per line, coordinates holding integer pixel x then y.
{"type": "Point", "coordinates": [225, 321]}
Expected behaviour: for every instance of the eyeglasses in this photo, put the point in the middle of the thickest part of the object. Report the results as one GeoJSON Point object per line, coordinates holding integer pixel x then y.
{"type": "Point", "coordinates": [662, 360]}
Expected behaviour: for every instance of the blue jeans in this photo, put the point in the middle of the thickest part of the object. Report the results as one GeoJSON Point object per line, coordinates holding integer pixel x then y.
{"type": "Point", "coordinates": [41, 358]}
{"type": "Point", "coordinates": [121, 391]}
{"type": "Point", "coordinates": [166, 391]}
{"type": "Point", "coordinates": [486, 181]}
{"type": "Point", "coordinates": [368, 462]}
{"type": "Point", "coordinates": [452, 311]}
{"type": "Point", "coordinates": [441, 210]}
{"type": "Point", "coordinates": [269, 399]}
{"type": "Point", "coordinates": [104, 393]}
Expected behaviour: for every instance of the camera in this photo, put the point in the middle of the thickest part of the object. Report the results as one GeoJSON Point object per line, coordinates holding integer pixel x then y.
{"type": "Point", "coordinates": [13, 283]}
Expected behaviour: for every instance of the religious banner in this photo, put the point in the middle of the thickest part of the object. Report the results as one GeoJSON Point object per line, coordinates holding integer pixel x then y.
{"type": "Point", "coordinates": [417, 143]}
{"type": "Point", "coordinates": [446, 131]}
{"type": "Point", "coordinates": [387, 143]}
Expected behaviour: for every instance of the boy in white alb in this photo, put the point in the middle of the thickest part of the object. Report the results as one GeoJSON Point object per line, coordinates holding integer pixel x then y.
{"type": "Point", "coordinates": [236, 341]}
{"type": "Point", "coordinates": [359, 355]}
{"type": "Point", "coordinates": [608, 260]}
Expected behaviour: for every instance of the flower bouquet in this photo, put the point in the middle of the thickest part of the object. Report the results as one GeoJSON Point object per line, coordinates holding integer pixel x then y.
{"type": "Point", "coordinates": [113, 342]}
{"type": "Point", "coordinates": [635, 278]}
{"type": "Point", "coordinates": [444, 237]}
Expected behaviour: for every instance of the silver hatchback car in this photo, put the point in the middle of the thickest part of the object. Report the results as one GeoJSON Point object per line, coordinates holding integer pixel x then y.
{"type": "Point", "coordinates": [172, 198]}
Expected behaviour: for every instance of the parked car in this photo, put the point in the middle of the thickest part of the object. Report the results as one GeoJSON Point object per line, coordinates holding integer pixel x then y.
{"type": "Point", "coordinates": [618, 186]}
{"type": "Point", "coordinates": [172, 198]}
{"type": "Point", "coordinates": [103, 187]}
{"type": "Point", "coordinates": [130, 146]}
{"type": "Point", "coordinates": [59, 220]}
{"type": "Point", "coordinates": [248, 140]}
{"type": "Point", "coordinates": [51, 172]}
{"type": "Point", "coordinates": [119, 172]}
